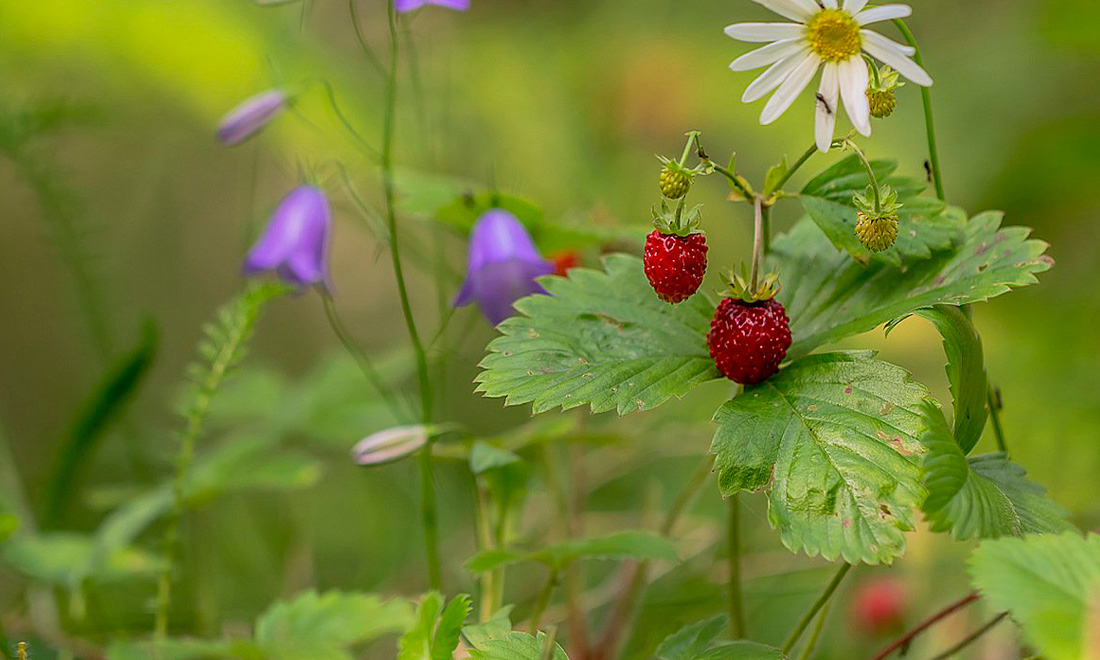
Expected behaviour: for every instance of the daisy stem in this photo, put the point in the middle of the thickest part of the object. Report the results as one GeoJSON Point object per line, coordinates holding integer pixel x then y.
{"type": "Point", "coordinates": [427, 484]}
{"type": "Point", "coordinates": [926, 97]}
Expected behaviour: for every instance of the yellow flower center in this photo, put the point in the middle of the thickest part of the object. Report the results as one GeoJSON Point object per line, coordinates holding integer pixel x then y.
{"type": "Point", "coordinates": [834, 35]}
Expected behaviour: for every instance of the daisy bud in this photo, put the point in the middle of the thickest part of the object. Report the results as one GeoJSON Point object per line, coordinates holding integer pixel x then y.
{"type": "Point", "coordinates": [503, 266]}
{"type": "Point", "coordinates": [250, 117]}
{"type": "Point", "coordinates": [295, 243]}
{"type": "Point", "coordinates": [403, 6]}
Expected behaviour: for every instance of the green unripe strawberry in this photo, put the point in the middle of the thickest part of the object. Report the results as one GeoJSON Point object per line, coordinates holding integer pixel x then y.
{"type": "Point", "coordinates": [675, 182]}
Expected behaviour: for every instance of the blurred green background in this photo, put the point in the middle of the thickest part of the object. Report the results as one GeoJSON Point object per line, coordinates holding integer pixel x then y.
{"type": "Point", "coordinates": [563, 102]}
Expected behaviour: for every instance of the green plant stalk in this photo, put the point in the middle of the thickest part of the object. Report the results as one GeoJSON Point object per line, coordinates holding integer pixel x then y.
{"type": "Point", "coordinates": [820, 603]}
{"type": "Point", "coordinates": [193, 426]}
{"type": "Point", "coordinates": [995, 419]}
{"type": "Point", "coordinates": [484, 540]}
{"type": "Point", "coordinates": [929, 123]}
{"type": "Point", "coordinates": [427, 485]}
{"type": "Point", "coordinates": [802, 160]}
{"type": "Point", "coordinates": [5, 644]}
{"type": "Point", "coordinates": [566, 507]}
{"type": "Point", "coordinates": [870, 172]}
{"type": "Point", "coordinates": [544, 599]}
{"type": "Point", "coordinates": [972, 637]}
{"type": "Point", "coordinates": [736, 599]}
{"type": "Point", "coordinates": [811, 644]}
{"type": "Point", "coordinates": [376, 64]}
{"type": "Point", "coordinates": [361, 358]}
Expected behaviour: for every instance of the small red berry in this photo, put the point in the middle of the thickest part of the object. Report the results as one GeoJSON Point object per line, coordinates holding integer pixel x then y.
{"type": "Point", "coordinates": [748, 341]}
{"type": "Point", "coordinates": [565, 261]}
{"type": "Point", "coordinates": [675, 265]}
{"type": "Point", "coordinates": [878, 606]}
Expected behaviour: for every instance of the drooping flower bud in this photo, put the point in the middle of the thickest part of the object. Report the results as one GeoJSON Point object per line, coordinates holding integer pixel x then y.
{"type": "Point", "coordinates": [251, 116]}
{"type": "Point", "coordinates": [403, 6]}
{"type": "Point", "coordinates": [295, 243]}
{"type": "Point", "coordinates": [502, 267]}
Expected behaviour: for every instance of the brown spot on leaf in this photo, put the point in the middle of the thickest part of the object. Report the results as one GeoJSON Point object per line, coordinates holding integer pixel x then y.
{"type": "Point", "coordinates": [812, 407]}
{"type": "Point", "coordinates": [848, 389]}
{"type": "Point", "coordinates": [887, 408]}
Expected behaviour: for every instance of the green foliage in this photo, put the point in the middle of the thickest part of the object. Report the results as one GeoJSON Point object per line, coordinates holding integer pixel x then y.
{"type": "Point", "coordinates": [317, 626]}
{"type": "Point", "coordinates": [833, 438]}
{"type": "Point", "coordinates": [599, 338]}
{"type": "Point", "coordinates": [9, 524]}
{"type": "Point", "coordinates": [965, 370]}
{"type": "Point", "coordinates": [1050, 584]}
{"type": "Point", "coordinates": [697, 642]}
{"type": "Point", "coordinates": [981, 496]}
{"type": "Point", "coordinates": [105, 404]}
{"type": "Point", "coordinates": [518, 646]}
{"type": "Point", "coordinates": [435, 633]}
{"type": "Point", "coordinates": [68, 559]}
{"type": "Point", "coordinates": [829, 297]}
{"type": "Point", "coordinates": [497, 627]}
{"type": "Point", "coordinates": [926, 226]}
{"type": "Point", "coordinates": [631, 544]}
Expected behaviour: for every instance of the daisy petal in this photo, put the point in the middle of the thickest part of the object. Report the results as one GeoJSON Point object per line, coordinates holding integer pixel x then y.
{"type": "Point", "coordinates": [883, 42]}
{"type": "Point", "coordinates": [883, 13]}
{"type": "Point", "coordinates": [853, 87]}
{"type": "Point", "coordinates": [768, 55]}
{"type": "Point", "coordinates": [773, 77]}
{"type": "Point", "coordinates": [796, 10]}
{"type": "Point", "coordinates": [825, 125]}
{"type": "Point", "coordinates": [896, 58]}
{"type": "Point", "coordinates": [830, 4]}
{"type": "Point", "coordinates": [759, 32]}
{"type": "Point", "coordinates": [790, 89]}
{"type": "Point", "coordinates": [854, 6]}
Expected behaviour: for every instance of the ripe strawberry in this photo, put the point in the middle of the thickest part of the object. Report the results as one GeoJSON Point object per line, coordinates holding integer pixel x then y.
{"type": "Point", "coordinates": [675, 265]}
{"type": "Point", "coordinates": [878, 606]}
{"type": "Point", "coordinates": [749, 340]}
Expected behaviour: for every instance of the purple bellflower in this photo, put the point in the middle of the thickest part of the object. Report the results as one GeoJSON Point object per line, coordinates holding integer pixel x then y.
{"type": "Point", "coordinates": [403, 6]}
{"type": "Point", "coordinates": [250, 117]}
{"type": "Point", "coordinates": [295, 243]}
{"type": "Point", "coordinates": [502, 267]}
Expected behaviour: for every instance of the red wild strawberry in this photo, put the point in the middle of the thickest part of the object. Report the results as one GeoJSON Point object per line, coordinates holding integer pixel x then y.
{"type": "Point", "coordinates": [878, 606]}
{"type": "Point", "coordinates": [749, 340]}
{"type": "Point", "coordinates": [565, 261]}
{"type": "Point", "coordinates": [675, 265]}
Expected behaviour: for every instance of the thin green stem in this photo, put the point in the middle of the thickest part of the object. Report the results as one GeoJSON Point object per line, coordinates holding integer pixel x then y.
{"type": "Point", "coordinates": [854, 148]}
{"type": "Point", "coordinates": [427, 485]}
{"type": "Point", "coordinates": [734, 180]}
{"type": "Point", "coordinates": [733, 540]}
{"type": "Point", "coordinates": [366, 147]}
{"type": "Point", "coordinates": [815, 634]}
{"type": "Point", "coordinates": [543, 600]}
{"type": "Point", "coordinates": [929, 123]}
{"type": "Point", "coordinates": [821, 602]}
{"type": "Point", "coordinates": [353, 9]}
{"type": "Point", "coordinates": [361, 358]}
{"type": "Point", "coordinates": [794, 168]}
{"type": "Point", "coordinates": [995, 418]}
{"type": "Point", "coordinates": [757, 242]}
{"type": "Point", "coordinates": [484, 540]}
{"type": "Point", "coordinates": [692, 138]}
{"type": "Point", "coordinates": [972, 637]}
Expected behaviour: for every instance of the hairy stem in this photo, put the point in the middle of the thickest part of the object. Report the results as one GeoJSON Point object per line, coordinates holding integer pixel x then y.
{"type": "Point", "coordinates": [972, 637]}
{"type": "Point", "coordinates": [906, 639]}
{"type": "Point", "coordinates": [736, 599]}
{"type": "Point", "coordinates": [929, 123]}
{"type": "Point", "coordinates": [427, 484]}
{"type": "Point", "coordinates": [820, 603]}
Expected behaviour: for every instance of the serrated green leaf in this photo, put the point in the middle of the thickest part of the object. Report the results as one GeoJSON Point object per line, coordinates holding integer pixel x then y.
{"type": "Point", "coordinates": [517, 646]}
{"type": "Point", "coordinates": [829, 297]}
{"type": "Point", "coordinates": [1050, 584]}
{"type": "Point", "coordinates": [741, 650]}
{"type": "Point", "coordinates": [691, 640]}
{"type": "Point", "coordinates": [416, 643]}
{"type": "Point", "coordinates": [833, 438]}
{"type": "Point", "coordinates": [447, 632]}
{"type": "Point", "coordinates": [497, 627]}
{"type": "Point", "coordinates": [965, 371]}
{"type": "Point", "coordinates": [630, 544]}
{"type": "Point", "coordinates": [330, 622]}
{"type": "Point", "coordinates": [602, 339]}
{"type": "Point", "coordinates": [984, 496]}
{"type": "Point", "coordinates": [775, 174]}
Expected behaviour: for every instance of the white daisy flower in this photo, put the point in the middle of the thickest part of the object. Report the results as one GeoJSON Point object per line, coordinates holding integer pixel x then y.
{"type": "Point", "coordinates": [825, 34]}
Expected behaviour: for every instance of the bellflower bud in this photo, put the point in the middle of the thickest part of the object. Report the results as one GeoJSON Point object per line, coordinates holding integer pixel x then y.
{"type": "Point", "coordinates": [295, 243]}
{"type": "Point", "coordinates": [503, 266]}
{"type": "Point", "coordinates": [250, 117]}
{"type": "Point", "coordinates": [403, 6]}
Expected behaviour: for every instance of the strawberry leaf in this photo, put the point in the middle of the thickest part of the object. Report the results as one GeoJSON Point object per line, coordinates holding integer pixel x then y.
{"type": "Point", "coordinates": [833, 439]}
{"type": "Point", "coordinates": [1050, 584]}
{"type": "Point", "coordinates": [982, 496]}
{"type": "Point", "coordinates": [518, 646]}
{"type": "Point", "coordinates": [829, 297]}
{"type": "Point", "coordinates": [600, 338]}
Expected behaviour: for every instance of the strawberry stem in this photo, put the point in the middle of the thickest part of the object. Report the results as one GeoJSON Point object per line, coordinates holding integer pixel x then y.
{"type": "Point", "coordinates": [757, 241]}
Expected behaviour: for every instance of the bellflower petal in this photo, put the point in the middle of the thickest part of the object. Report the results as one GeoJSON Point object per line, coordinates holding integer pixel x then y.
{"type": "Point", "coordinates": [250, 117]}
{"type": "Point", "coordinates": [503, 266]}
{"type": "Point", "coordinates": [295, 243]}
{"type": "Point", "coordinates": [403, 6]}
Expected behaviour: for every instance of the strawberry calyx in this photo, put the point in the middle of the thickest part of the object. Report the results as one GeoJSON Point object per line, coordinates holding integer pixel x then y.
{"type": "Point", "coordinates": [674, 220]}
{"type": "Point", "coordinates": [740, 286]}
